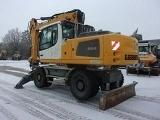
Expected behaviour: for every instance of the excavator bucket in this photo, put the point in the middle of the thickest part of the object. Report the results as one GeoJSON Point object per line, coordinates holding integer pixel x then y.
{"type": "Point", "coordinates": [116, 96]}
{"type": "Point", "coordinates": [25, 80]}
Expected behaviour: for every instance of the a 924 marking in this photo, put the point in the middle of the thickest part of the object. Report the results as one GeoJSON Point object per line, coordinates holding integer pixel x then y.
{"type": "Point", "coordinates": [131, 57]}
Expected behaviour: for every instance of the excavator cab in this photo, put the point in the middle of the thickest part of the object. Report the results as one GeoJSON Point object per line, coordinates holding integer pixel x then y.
{"type": "Point", "coordinates": [145, 48]}
{"type": "Point", "coordinates": [52, 37]}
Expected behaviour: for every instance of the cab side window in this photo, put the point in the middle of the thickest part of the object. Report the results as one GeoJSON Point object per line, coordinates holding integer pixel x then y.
{"type": "Point", "coordinates": [68, 32]}
{"type": "Point", "coordinates": [55, 34]}
{"type": "Point", "coordinates": [143, 49]}
{"type": "Point", "coordinates": [48, 37]}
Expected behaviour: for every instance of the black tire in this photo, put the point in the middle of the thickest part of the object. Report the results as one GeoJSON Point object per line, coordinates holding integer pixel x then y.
{"type": "Point", "coordinates": [40, 79]}
{"type": "Point", "coordinates": [81, 85]}
{"type": "Point", "coordinates": [95, 86]}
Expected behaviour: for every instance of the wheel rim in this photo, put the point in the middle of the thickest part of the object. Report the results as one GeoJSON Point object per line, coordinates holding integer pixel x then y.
{"type": "Point", "coordinates": [80, 85]}
{"type": "Point", "coordinates": [38, 77]}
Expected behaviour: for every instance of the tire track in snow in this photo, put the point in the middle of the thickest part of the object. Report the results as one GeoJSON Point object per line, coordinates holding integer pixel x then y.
{"type": "Point", "coordinates": [148, 99]}
{"type": "Point", "coordinates": [86, 104]}
{"type": "Point", "coordinates": [26, 108]}
{"type": "Point", "coordinates": [111, 111]}
{"type": "Point", "coordinates": [22, 103]}
{"type": "Point", "coordinates": [92, 104]}
{"type": "Point", "coordinates": [136, 113]}
{"type": "Point", "coordinates": [69, 99]}
{"type": "Point", "coordinates": [51, 108]}
{"type": "Point", "coordinates": [7, 113]}
{"type": "Point", "coordinates": [121, 109]}
{"type": "Point", "coordinates": [42, 99]}
{"type": "Point", "coordinates": [62, 96]}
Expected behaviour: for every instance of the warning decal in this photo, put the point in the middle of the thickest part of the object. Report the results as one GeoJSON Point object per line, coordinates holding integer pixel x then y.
{"type": "Point", "coordinates": [115, 45]}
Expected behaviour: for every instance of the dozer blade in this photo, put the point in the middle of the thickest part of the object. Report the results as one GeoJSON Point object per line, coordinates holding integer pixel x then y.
{"type": "Point", "coordinates": [116, 96]}
{"type": "Point", "coordinates": [25, 80]}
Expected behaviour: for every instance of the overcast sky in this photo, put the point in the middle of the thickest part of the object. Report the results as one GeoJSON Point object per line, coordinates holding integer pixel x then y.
{"type": "Point", "coordinates": [115, 15]}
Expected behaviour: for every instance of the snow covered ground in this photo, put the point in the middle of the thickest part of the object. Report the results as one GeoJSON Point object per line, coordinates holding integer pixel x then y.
{"type": "Point", "coordinates": [57, 102]}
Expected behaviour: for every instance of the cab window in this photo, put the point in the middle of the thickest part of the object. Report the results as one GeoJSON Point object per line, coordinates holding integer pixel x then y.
{"type": "Point", "coordinates": [68, 30]}
{"type": "Point", "coordinates": [143, 49]}
{"type": "Point", "coordinates": [48, 37]}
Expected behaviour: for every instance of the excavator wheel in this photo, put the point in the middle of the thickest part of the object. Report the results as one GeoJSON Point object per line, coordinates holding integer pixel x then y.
{"type": "Point", "coordinates": [40, 79]}
{"type": "Point", "coordinates": [82, 85]}
{"type": "Point", "coordinates": [95, 86]}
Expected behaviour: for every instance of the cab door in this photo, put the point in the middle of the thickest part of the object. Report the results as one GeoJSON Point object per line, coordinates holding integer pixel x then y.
{"type": "Point", "coordinates": [49, 43]}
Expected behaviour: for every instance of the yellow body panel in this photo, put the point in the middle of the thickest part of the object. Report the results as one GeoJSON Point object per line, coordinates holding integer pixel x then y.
{"type": "Point", "coordinates": [150, 58]}
{"type": "Point", "coordinates": [147, 59]}
{"type": "Point", "coordinates": [71, 48]}
{"type": "Point", "coordinates": [107, 56]}
{"type": "Point", "coordinates": [128, 47]}
{"type": "Point", "coordinates": [66, 50]}
{"type": "Point", "coordinates": [78, 40]}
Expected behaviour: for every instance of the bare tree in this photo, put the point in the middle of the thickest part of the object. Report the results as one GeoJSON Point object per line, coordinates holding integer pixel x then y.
{"type": "Point", "coordinates": [12, 41]}
{"type": "Point", "coordinates": [15, 40]}
{"type": "Point", "coordinates": [25, 44]}
{"type": "Point", "coordinates": [1, 45]}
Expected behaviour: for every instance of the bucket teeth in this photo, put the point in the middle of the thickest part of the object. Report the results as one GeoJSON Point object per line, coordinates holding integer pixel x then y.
{"type": "Point", "coordinates": [18, 86]}
{"type": "Point", "coordinates": [114, 97]}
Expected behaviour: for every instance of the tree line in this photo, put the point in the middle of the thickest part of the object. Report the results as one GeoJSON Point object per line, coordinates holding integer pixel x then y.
{"type": "Point", "coordinates": [15, 40]}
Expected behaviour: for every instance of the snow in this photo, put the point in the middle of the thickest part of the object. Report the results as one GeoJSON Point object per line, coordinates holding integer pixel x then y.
{"type": "Point", "coordinates": [19, 64]}
{"type": "Point", "coordinates": [57, 102]}
{"type": "Point", "coordinates": [17, 71]}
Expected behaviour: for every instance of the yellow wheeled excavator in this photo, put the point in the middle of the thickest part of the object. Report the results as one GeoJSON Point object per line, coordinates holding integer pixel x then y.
{"type": "Point", "coordinates": [148, 62]}
{"type": "Point", "coordinates": [3, 55]}
{"type": "Point", "coordinates": [64, 47]}
{"type": "Point", "coordinates": [16, 56]}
